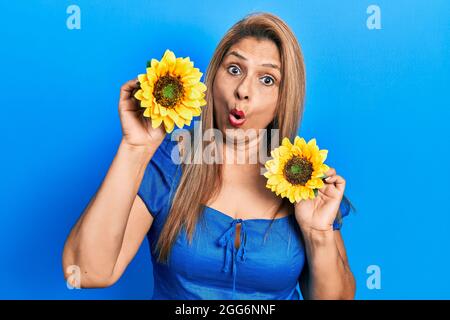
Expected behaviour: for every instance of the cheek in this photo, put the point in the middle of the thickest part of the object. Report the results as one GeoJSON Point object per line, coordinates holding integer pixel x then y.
{"type": "Point", "coordinates": [265, 108]}
{"type": "Point", "coordinates": [219, 87]}
{"type": "Point", "coordinates": [222, 91]}
{"type": "Point", "coordinates": [268, 99]}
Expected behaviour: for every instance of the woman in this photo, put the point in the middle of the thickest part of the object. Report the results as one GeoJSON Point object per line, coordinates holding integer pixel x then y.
{"type": "Point", "coordinates": [215, 230]}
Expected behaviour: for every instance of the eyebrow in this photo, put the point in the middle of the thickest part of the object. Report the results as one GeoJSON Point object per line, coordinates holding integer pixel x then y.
{"type": "Point", "coordinates": [270, 65]}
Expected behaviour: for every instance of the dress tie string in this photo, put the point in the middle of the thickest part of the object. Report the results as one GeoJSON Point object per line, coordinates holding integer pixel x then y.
{"type": "Point", "coordinates": [227, 241]}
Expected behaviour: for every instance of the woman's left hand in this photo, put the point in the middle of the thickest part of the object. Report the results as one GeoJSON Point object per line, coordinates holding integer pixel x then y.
{"type": "Point", "coordinates": [319, 213]}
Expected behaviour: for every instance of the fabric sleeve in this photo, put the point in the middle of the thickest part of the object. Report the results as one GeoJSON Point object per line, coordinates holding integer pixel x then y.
{"type": "Point", "coordinates": [157, 183]}
{"type": "Point", "coordinates": [344, 208]}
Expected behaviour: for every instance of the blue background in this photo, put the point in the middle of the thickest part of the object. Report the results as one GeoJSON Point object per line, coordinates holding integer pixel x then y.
{"type": "Point", "coordinates": [375, 98]}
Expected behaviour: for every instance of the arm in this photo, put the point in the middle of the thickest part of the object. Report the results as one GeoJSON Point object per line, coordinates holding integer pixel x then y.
{"type": "Point", "coordinates": [327, 273]}
{"type": "Point", "coordinates": [112, 227]}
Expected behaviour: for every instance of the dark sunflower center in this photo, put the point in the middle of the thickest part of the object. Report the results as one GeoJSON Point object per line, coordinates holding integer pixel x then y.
{"type": "Point", "coordinates": [298, 170]}
{"type": "Point", "coordinates": [168, 91]}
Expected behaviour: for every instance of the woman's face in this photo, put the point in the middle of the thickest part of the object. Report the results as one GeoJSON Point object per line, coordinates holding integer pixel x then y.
{"type": "Point", "coordinates": [246, 85]}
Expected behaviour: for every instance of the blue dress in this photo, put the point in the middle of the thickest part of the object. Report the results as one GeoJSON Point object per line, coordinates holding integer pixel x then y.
{"type": "Point", "coordinates": [266, 265]}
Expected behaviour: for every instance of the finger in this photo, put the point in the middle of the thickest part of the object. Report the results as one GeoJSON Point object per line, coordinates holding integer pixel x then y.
{"type": "Point", "coordinates": [331, 179]}
{"type": "Point", "coordinates": [340, 183]}
{"type": "Point", "coordinates": [127, 89]}
{"type": "Point", "coordinates": [330, 172]}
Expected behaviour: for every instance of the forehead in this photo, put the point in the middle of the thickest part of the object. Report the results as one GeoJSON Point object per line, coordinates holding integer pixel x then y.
{"type": "Point", "coordinates": [256, 51]}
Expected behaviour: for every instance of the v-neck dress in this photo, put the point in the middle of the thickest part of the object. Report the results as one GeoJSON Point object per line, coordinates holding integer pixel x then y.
{"type": "Point", "coordinates": [266, 265]}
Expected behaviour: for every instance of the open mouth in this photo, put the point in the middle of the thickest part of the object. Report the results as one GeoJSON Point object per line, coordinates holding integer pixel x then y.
{"type": "Point", "coordinates": [236, 117]}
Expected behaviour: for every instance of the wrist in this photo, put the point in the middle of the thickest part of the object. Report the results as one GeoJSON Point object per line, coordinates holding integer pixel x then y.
{"type": "Point", "coordinates": [137, 149]}
{"type": "Point", "coordinates": [318, 237]}
{"type": "Point", "coordinates": [136, 153]}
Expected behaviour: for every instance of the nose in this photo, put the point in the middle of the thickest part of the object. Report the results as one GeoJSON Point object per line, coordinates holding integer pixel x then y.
{"type": "Point", "coordinates": [243, 89]}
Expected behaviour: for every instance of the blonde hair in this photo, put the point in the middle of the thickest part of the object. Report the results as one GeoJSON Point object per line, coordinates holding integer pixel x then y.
{"type": "Point", "coordinates": [201, 182]}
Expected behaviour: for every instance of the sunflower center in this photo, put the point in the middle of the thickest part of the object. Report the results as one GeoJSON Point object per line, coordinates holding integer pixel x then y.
{"type": "Point", "coordinates": [298, 170]}
{"type": "Point", "coordinates": [168, 91]}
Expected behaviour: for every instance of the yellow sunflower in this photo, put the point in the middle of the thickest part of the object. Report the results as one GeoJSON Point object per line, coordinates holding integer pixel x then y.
{"type": "Point", "coordinates": [171, 91]}
{"type": "Point", "coordinates": [296, 170]}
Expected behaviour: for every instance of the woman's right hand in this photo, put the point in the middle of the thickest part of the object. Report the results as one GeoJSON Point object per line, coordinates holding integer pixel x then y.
{"type": "Point", "coordinates": [137, 130]}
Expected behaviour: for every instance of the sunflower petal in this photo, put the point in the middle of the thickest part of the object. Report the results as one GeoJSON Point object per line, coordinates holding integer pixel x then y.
{"type": "Point", "coordinates": [201, 87]}
{"type": "Point", "coordinates": [175, 117]}
{"type": "Point", "coordinates": [300, 142]}
{"type": "Point", "coordinates": [312, 142]}
{"type": "Point", "coordinates": [193, 93]}
{"type": "Point", "coordinates": [162, 69]}
{"type": "Point", "coordinates": [304, 193]}
{"type": "Point", "coordinates": [156, 122]}
{"type": "Point", "coordinates": [275, 179]}
{"type": "Point", "coordinates": [169, 59]}
{"type": "Point", "coordinates": [163, 110]}
{"type": "Point", "coordinates": [184, 112]}
{"type": "Point", "coordinates": [286, 143]}
{"type": "Point", "coordinates": [196, 112]}
{"type": "Point", "coordinates": [138, 95]}
{"type": "Point", "coordinates": [283, 186]}
{"type": "Point", "coordinates": [169, 124]}
{"type": "Point", "coordinates": [154, 64]}
{"type": "Point", "coordinates": [191, 103]}
{"type": "Point", "coordinates": [298, 194]}
{"type": "Point", "coordinates": [323, 154]}
{"type": "Point", "coordinates": [146, 104]}
{"type": "Point", "coordinates": [142, 78]}
{"type": "Point", "coordinates": [151, 75]}
{"type": "Point", "coordinates": [156, 109]}
{"type": "Point", "coordinates": [145, 86]}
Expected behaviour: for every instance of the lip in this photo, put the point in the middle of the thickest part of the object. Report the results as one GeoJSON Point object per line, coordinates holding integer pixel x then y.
{"type": "Point", "coordinates": [236, 117]}
{"type": "Point", "coordinates": [239, 113]}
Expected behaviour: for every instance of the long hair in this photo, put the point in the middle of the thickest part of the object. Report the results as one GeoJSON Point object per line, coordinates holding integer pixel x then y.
{"type": "Point", "coordinates": [200, 182]}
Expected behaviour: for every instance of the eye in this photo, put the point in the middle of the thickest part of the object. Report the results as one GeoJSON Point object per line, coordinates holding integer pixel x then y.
{"type": "Point", "coordinates": [268, 83]}
{"type": "Point", "coordinates": [233, 68]}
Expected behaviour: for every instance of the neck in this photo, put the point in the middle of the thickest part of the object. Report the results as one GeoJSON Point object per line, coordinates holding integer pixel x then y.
{"type": "Point", "coordinates": [242, 150]}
